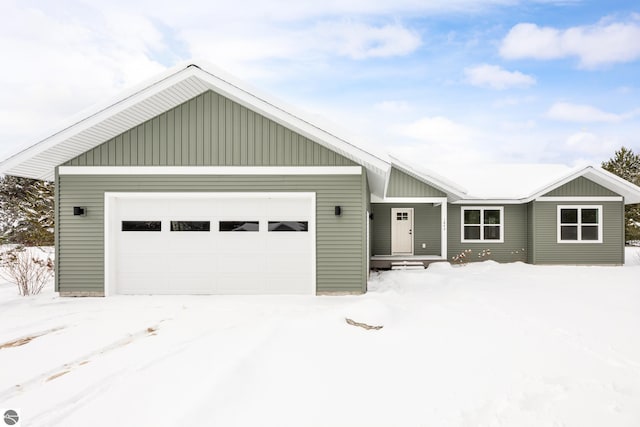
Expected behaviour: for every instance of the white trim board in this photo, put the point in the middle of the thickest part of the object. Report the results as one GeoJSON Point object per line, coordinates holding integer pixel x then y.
{"type": "Point", "coordinates": [581, 199]}
{"type": "Point", "coordinates": [376, 199]}
{"type": "Point", "coordinates": [210, 170]}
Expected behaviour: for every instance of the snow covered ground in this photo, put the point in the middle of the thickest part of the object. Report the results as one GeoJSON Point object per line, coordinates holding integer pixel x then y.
{"type": "Point", "coordinates": [479, 345]}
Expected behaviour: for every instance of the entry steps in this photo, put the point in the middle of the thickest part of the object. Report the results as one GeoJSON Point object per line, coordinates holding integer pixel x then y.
{"type": "Point", "coordinates": [407, 265]}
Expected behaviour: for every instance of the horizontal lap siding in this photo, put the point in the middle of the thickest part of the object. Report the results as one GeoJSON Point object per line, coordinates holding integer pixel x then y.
{"type": "Point", "coordinates": [549, 251]}
{"type": "Point", "coordinates": [210, 130]}
{"type": "Point", "coordinates": [340, 240]}
{"type": "Point", "coordinates": [426, 228]}
{"type": "Point", "coordinates": [514, 247]}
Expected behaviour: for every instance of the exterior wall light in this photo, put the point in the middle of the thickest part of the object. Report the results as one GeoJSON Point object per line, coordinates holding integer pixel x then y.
{"type": "Point", "coordinates": [79, 211]}
{"type": "Point", "coordinates": [338, 210]}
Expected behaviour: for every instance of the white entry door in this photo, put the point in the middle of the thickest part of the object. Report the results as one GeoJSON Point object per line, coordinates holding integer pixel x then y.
{"type": "Point", "coordinates": [402, 231]}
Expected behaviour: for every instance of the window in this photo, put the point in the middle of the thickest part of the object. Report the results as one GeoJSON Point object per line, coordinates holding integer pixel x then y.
{"type": "Point", "coordinates": [190, 226]}
{"type": "Point", "coordinates": [141, 226]}
{"type": "Point", "coordinates": [288, 226]}
{"type": "Point", "coordinates": [239, 226]}
{"type": "Point", "coordinates": [483, 224]}
{"type": "Point", "coordinates": [402, 216]}
{"type": "Point", "coordinates": [579, 224]}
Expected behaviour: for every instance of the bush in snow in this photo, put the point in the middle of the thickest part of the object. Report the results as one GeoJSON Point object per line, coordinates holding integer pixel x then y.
{"type": "Point", "coordinates": [25, 270]}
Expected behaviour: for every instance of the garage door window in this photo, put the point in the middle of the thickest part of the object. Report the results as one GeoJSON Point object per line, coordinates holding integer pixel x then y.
{"type": "Point", "coordinates": [288, 226]}
{"type": "Point", "coordinates": [239, 226]}
{"type": "Point", "coordinates": [141, 226]}
{"type": "Point", "coordinates": [190, 225]}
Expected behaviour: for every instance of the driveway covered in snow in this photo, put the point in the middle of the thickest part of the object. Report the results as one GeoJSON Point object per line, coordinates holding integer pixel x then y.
{"type": "Point", "coordinates": [483, 344]}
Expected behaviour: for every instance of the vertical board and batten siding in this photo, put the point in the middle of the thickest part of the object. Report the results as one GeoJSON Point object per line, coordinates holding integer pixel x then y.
{"type": "Point", "coordinates": [580, 187]}
{"type": "Point", "coordinates": [210, 130]}
{"type": "Point", "coordinates": [426, 228]}
{"type": "Point", "coordinates": [340, 241]}
{"type": "Point", "coordinates": [403, 185]}
{"type": "Point", "coordinates": [514, 247]}
{"type": "Point", "coordinates": [547, 250]}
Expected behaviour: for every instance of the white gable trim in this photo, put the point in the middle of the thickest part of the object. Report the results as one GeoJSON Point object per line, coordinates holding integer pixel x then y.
{"type": "Point", "coordinates": [169, 90]}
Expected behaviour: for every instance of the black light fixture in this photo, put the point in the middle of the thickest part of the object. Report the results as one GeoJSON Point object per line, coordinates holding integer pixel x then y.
{"type": "Point", "coordinates": [338, 210]}
{"type": "Point", "coordinates": [371, 216]}
{"type": "Point", "coordinates": [78, 211]}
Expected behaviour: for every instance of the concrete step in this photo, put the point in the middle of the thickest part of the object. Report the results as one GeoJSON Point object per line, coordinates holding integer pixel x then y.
{"type": "Point", "coordinates": [407, 265]}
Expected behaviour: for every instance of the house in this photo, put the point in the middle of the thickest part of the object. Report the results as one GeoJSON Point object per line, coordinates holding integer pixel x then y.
{"type": "Point", "coordinates": [194, 184]}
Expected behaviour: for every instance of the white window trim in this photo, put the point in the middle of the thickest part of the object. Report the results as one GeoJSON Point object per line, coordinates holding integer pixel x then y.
{"type": "Point", "coordinates": [579, 223]}
{"type": "Point", "coordinates": [481, 225]}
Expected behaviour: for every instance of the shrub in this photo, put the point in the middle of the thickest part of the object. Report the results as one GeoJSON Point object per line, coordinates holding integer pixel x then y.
{"type": "Point", "coordinates": [28, 272]}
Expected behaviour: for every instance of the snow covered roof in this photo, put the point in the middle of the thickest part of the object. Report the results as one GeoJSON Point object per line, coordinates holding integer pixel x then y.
{"type": "Point", "coordinates": [522, 183]}
{"type": "Point", "coordinates": [516, 183]}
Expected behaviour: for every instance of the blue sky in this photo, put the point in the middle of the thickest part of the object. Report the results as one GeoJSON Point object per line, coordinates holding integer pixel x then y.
{"type": "Point", "coordinates": [457, 81]}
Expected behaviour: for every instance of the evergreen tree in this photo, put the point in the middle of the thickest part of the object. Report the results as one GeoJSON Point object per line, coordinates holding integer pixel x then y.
{"type": "Point", "coordinates": [26, 211]}
{"type": "Point", "coordinates": [626, 164]}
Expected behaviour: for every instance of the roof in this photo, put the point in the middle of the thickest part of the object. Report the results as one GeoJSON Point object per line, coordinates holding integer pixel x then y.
{"type": "Point", "coordinates": [515, 183]}
{"type": "Point", "coordinates": [164, 92]}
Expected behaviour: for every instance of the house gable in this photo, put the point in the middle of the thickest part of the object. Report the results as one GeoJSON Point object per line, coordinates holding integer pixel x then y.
{"type": "Point", "coordinates": [580, 187]}
{"type": "Point", "coordinates": [210, 130]}
{"type": "Point", "coordinates": [404, 185]}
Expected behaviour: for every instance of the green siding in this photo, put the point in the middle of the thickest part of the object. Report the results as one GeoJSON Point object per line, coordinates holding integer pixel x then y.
{"type": "Point", "coordinates": [426, 228]}
{"type": "Point", "coordinates": [549, 251]}
{"type": "Point", "coordinates": [210, 130]}
{"type": "Point", "coordinates": [515, 236]}
{"type": "Point", "coordinates": [340, 240]}
{"type": "Point", "coordinates": [403, 185]}
{"type": "Point", "coordinates": [581, 186]}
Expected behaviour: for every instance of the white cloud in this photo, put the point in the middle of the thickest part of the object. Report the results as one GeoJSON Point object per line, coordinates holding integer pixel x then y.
{"type": "Point", "coordinates": [438, 129]}
{"type": "Point", "coordinates": [495, 77]}
{"type": "Point", "coordinates": [581, 113]}
{"type": "Point", "coordinates": [393, 106]}
{"type": "Point", "coordinates": [591, 145]}
{"type": "Point", "coordinates": [595, 45]}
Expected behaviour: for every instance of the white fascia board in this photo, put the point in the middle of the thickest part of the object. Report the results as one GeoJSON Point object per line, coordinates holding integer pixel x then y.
{"type": "Point", "coordinates": [580, 199]}
{"type": "Point", "coordinates": [210, 170]}
{"type": "Point", "coordinates": [489, 201]}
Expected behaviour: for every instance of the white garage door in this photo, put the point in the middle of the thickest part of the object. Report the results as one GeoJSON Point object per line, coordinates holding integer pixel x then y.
{"type": "Point", "coordinates": [241, 243]}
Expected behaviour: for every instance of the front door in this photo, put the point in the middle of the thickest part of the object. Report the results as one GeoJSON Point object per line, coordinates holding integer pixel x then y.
{"type": "Point", "coordinates": [402, 231]}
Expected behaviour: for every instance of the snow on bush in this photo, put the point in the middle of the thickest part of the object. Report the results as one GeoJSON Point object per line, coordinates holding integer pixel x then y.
{"type": "Point", "coordinates": [24, 268]}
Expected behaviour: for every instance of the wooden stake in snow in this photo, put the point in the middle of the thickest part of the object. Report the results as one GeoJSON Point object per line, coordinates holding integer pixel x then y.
{"type": "Point", "coordinates": [362, 325]}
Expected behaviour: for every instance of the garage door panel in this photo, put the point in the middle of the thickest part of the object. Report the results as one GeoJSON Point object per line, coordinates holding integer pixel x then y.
{"type": "Point", "coordinates": [141, 283]}
{"type": "Point", "coordinates": [290, 284]}
{"type": "Point", "coordinates": [239, 263]}
{"type": "Point", "coordinates": [214, 261]}
{"type": "Point", "coordinates": [191, 283]}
